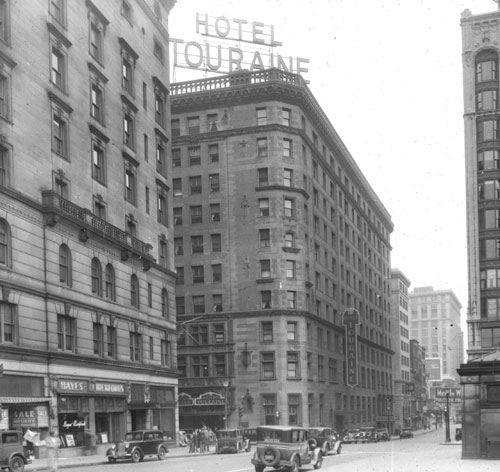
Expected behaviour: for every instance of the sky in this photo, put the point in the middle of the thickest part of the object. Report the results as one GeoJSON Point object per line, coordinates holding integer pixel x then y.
{"type": "Point", "coordinates": [388, 74]}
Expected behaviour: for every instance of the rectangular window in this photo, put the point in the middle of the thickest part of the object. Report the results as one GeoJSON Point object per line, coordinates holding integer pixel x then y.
{"type": "Point", "coordinates": [98, 331]}
{"type": "Point", "coordinates": [193, 125]}
{"type": "Point", "coordinates": [178, 216]}
{"type": "Point", "coordinates": [176, 158]}
{"type": "Point", "coordinates": [288, 177]}
{"type": "Point", "coordinates": [4, 97]}
{"type": "Point", "coordinates": [111, 342]}
{"type": "Point", "coordinates": [212, 122]}
{"type": "Point", "coordinates": [127, 74]}
{"type": "Point", "coordinates": [268, 367]}
{"type": "Point", "coordinates": [486, 71]}
{"type": "Point", "coordinates": [161, 158]}
{"type": "Point", "coordinates": [216, 273]}
{"type": "Point", "coordinates": [214, 183]}
{"type": "Point", "coordinates": [135, 347]}
{"type": "Point", "coordinates": [196, 214]}
{"type": "Point", "coordinates": [7, 320]}
{"type": "Point", "coordinates": [261, 116]}
{"type": "Point", "coordinates": [194, 156]}
{"type": "Point", "coordinates": [198, 274]}
{"type": "Point", "coordinates": [165, 352]}
{"type": "Point", "coordinates": [294, 409]}
{"type": "Point", "coordinates": [286, 117]}
{"type": "Point", "coordinates": [97, 102]}
{"type": "Point", "coordinates": [219, 334]}
{"type": "Point", "coordinates": [162, 216]}
{"type": "Point", "coordinates": [262, 177]}
{"type": "Point", "coordinates": [96, 42]}
{"type": "Point", "coordinates": [264, 238]}
{"type": "Point", "coordinates": [215, 212]}
{"type": "Point", "coordinates": [220, 365]}
{"type": "Point", "coordinates": [58, 11]}
{"type": "Point", "coordinates": [265, 269]}
{"type": "Point", "coordinates": [98, 163]}
{"type": "Point", "coordinates": [180, 305]}
{"type": "Point", "coordinates": [292, 362]}
{"type": "Point", "coordinates": [160, 108]}
{"type": "Point", "coordinates": [200, 366]}
{"type": "Point", "coordinates": [290, 269]}
{"type": "Point", "coordinates": [180, 276]}
{"type": "Point", "coordinates": [130, 185]}
{"type": "Point", "coordinates": [291, 331]}
{"type": "Point", "coordinates": [197, 244]}
{"type": "Point", "coordinates": [199, 304]}
{"type": "Point", "coordinates": [487, 130]}
{"type": "Point", "coordinates": [65, 333]}
{"type": "Point", "coordinates": [213, 152]}
{"type": "Point", "coordinates": [59, 135]}
{"type": "Point", "coordinates": [287, 148]}
{"type": "Point", "coordinates": [175, 127]}
{"type": "Point", "coordinates": [289, 208]}
{"type": "Point", "coordinates": [58, 68]}
{"type": "Point", "coordinates": [217, 302]}
{"type": "Point", "coordinates": [265, 297]}
{"type": "Point", "coordinates": [178, 246]}
{"type": "Point", "coordinates": [195, 185]}
{"type": "Point", "coordinates": [163, 253]}
{"type": "Point", "coordinates": [177, 187]}
{"type": "Point", "coordinates": [488, 160]}
{"type": "Point", "coordinates": [291, 299]}
{"type": "Point", "coordinates": [263, 207]}
{"type": "Point", "coordinates": [128, 130]}
{"type": "Point", "coordinates": [487, 100]}
{"type": "Point", "coordinates": [262, 147]}
{"type": "Point", "coordinates": [267, 332]}
{"type": "Point", "coordinates": [216, 242]}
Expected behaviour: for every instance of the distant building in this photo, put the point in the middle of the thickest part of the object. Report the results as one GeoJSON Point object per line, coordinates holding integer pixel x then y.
{"type": "Point", "coordinates": [87, 315]}
{"type": "Point", "coordinates": [480, 377]}
{"type": "Point", "coordinates": [435, 324]}
{"type": "Point", "coordinates": [277, 233]}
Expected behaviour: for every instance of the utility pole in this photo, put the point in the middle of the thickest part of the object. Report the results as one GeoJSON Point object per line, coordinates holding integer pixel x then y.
{"type": "Point", "coordinates": [447, 418]}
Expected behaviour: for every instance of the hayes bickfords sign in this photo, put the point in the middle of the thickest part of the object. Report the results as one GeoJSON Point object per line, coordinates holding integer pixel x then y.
{"type": "Point", "coordinates": [82, 386]}
{"type": "Point", "coordinates": [224, 59]}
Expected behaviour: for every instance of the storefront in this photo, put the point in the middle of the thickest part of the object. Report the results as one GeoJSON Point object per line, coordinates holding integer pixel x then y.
{"type": "Point", "coordinates": [92, 409]}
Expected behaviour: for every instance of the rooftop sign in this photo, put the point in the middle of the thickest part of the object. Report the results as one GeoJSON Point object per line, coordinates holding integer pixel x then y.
{"type": "Point", "coordinates": [219, 57]}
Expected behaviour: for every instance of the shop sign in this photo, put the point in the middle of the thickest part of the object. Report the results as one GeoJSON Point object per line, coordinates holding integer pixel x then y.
{"type": "Point", "coordinates": [76, 423]}
{"type": "Point", "coordinates": [225, 59]}
{"type": "Point", "coordinates": [350, 318]}
{"type": "Point", "coordinates": [185, 399]}
{"type": "Point", "coordinates": [209, 398]}
{"type": "Point", "coordinates": [67, 385]}
{"type": "Point", "coordinates": [452, 393]}
{"type": "Point", "coordinates": [29, 417]}
{"type": "Point", "coordinates": [107, 387]}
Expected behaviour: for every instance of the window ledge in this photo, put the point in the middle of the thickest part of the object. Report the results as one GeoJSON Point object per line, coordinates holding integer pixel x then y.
{"type": "Point", "coordinates": [265, 281]}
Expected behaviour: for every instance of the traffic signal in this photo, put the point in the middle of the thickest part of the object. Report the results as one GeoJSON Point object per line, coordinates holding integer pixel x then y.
{"type": "Point", "coordinates": [277, 414]}
{"type": "Point", "coordinates": [240, 411]}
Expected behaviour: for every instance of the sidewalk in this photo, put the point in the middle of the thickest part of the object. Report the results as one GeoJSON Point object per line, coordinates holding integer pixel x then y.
{"type": "Point", "coordinates": [81, 461]}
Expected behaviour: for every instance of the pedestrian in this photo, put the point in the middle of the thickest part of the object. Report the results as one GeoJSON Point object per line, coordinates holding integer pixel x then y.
{"type": "Point", "coordinates": [53, 443]}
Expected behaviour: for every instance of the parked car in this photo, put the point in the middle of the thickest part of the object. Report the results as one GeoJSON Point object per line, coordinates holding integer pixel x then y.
{"type": "Point", "coordinates": [14, 454]}
{"type": "Point", "coordinates": [383, 434]}
{"type": "Point", "coordinates": [231, 440]}
{"type": "Point", "coordinates": [327, 439]}
{"type": "Point", "coordinates": [368, 434]}
{"type": "Point", "coordinates": [351, 436]}
{"type": "Point", "coordinates": [406, 433]}
{"type": "Point", "coordinates": [139, 444]}
{"type": "Point", "coordinates": [285, 446]}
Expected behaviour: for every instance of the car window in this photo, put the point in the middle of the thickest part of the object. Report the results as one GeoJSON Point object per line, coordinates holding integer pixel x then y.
{"type": "Point", "coordinates": [10, 438]}
{"type": "Point", "coordinates": [314, 432]}
{"type": "Point", "coordinates": [138, 436]}
{"type": "Point", "coordinates": [148, 436]}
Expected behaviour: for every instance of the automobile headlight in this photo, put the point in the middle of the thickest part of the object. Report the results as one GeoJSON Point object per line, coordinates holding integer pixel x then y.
{"type": "Point", "coordinates": [127, 445]}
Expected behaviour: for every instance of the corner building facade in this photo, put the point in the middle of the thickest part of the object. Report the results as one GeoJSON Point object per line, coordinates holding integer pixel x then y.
{"type": "Point", "coordinates": [277, 233]}
{"type": "Point", "coordinates": [480, 376]}
{"type": "Point", "coordinates": [87, 314]}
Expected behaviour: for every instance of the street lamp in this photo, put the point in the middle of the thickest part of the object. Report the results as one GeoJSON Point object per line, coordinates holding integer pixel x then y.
{"type": "Point", "coordinates": [225, 384]}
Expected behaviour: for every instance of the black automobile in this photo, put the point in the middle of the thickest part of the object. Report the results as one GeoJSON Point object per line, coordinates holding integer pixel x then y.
{"type": "Point", "coordinates": [327, 439]}
{"type": "Point", "coordinates": [406, 433]}
{"type": "Point", "coordinates": [14, 454]}
{"type": "Point", "coordinates": [139, 444]}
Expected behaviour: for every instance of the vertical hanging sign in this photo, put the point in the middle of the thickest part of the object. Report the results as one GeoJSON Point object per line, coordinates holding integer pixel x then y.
{"type": "Point", "coordinates": [350, 318]}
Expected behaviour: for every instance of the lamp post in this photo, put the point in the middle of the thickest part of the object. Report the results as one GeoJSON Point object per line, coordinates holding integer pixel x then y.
{"type": "Point", "coordinates": [388, 409]}
{"type": "Point", "coordinates": [225, 383]}
{"type": "Point", "coordinates": [447, 418]}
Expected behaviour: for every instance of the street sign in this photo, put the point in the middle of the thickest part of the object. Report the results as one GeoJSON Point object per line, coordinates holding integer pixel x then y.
{"type": "Point", "coordinates": [454, 393]}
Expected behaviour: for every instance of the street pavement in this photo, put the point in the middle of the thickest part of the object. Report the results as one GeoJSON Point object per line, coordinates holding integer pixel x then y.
{"type": "Point", "coordinates": [81, 461]}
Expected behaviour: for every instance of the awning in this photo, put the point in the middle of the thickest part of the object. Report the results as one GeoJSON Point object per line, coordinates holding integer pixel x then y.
{"type": "Point", "coordinates": [4, 400]}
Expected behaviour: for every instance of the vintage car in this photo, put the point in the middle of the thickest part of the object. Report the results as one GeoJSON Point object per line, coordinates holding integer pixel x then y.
{"type": "Point", "coordinates": [139, 444]}
{"type": "Point", "coordinates": [285, 446]}
{"type": "Point", "coordinates": [406, 433]}
{"type": "Point", "coordinates": [14, 454]}
{"type": "Point", "coordinates": [383, 434]}
{"type": "Point", "coordinates": [231, 440]}
{"type": "Point", "coordinates": [327, 439]}
{"type": "Point", "coordinates": [351, 436]}
{"type": "Point", "coordinates": [368, 434]}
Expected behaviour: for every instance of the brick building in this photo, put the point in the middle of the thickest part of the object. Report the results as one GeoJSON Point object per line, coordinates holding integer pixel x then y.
{"type": "Point", "coordinates": [87, 314]}
{"type": "Point", "coordinates": [277, 233]}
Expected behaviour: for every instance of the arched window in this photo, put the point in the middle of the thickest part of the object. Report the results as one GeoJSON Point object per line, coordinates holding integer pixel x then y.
{"type": "Point", "coordinates": [65, 265]}
{"type": "Point", "coordinates": [96, 277]}
{"type": "Point", "coordinates": [109, 283]}
{"type": "Point", "coordinates": [164, 303]}
{"type": "Point", "coordinates": [134, 291]}
{"type": "Point", "coordinates": [5, 243]}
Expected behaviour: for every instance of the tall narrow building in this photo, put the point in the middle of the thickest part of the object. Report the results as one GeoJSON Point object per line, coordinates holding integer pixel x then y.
{"type": "Point", "coordinates": [277, 234]}
{"type": "Point", "coordinates": [87, 313]}
{"type": "Point", "coordinates": [481, 375]}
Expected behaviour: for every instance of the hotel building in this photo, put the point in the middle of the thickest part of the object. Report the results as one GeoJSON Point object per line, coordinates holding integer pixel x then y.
{"type": "Point", "coordinates": [277, 233]}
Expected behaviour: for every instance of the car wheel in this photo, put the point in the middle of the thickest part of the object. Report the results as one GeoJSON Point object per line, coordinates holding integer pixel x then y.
{"type": "Point", "coordinates": [111, 460]}
{"type": "Point", "coordinates": [162, 453]}
{"type": "Point", "coordinates": [295, 467]}
{"type": "Point", "coordinates": [136, 456]}
{"type": "Point", "coordinates": [16, 464]}
{"type": "Point", "coordinates": [339, 450]}
{"type": "Point", "coordinates": [326, 448]}
{"type": "Point", "coordinates": [259, 468]}
{"type": "Point", "coordinates": [319, 462]}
